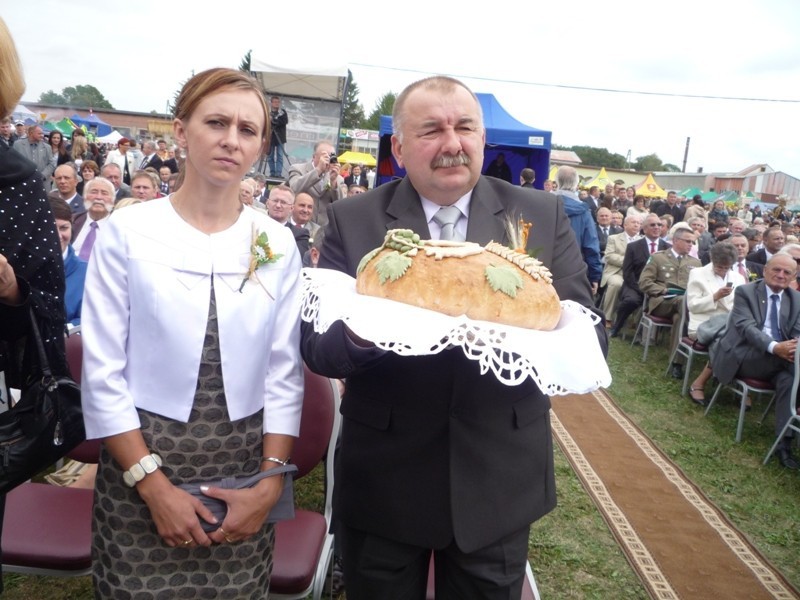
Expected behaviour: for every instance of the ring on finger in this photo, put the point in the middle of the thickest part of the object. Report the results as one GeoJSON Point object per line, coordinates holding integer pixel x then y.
{"type": "Point", "coordinates": [186, 542]}
{"type": "Point", "coordinates": [225, 535]}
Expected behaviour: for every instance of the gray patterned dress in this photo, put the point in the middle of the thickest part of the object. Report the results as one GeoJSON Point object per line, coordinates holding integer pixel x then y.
{"type": "Point", "coordinates": [130, 560]}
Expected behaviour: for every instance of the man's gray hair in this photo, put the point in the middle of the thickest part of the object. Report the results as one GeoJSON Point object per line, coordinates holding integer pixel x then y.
{"type": "Point", "coordinates": [438, 83]}
{"type": "Point", "coordinates": [567, 178]}
{"type": "Point", "coordinates": [787, 249]}
{"type": "Point", "coordinates": [632, 218]}
{"type": "Point", "coordinates": [101, 182]}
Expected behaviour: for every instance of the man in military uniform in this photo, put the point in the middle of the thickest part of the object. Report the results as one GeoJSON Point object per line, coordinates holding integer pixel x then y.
{"type": "Point", "coordinates": [664, 280]}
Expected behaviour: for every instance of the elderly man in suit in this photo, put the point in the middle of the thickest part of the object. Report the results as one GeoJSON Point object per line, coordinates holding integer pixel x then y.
{"type": "Point", "coordinates": [320, 179]}
{"type": "Point", "coordinates": [761, 340]}
{"type": "Point", "coordinates": [747, 269]}
{"type": "Point", "coordinates": [614, 257]}
{"type": "Point", "coordinates": [605, 227]}
{"type": "Point", "coordinates": [436, 457]}
{"type": "Point", "coordinates": [99, 202]}
{"type": "Point", "coordinates": [113, 173]}
{"type": "Point", "coordinates": [636, 256]}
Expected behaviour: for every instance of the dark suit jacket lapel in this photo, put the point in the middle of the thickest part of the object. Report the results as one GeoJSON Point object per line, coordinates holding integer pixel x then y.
{"type": "Point", "coordinates": [786, 315]}
{"type": "Point", "coordinates": [486, 217]}
{"type": "Point", "coordinates": [405, 211]}
{"type": "Point", "coordinates": [761, 302]}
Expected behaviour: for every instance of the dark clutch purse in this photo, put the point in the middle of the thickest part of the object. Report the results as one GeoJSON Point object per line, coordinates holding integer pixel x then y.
{"type": "Point", "coordinates": [43, 426]}
{"type": "Point", "coordinates": [283, 509]}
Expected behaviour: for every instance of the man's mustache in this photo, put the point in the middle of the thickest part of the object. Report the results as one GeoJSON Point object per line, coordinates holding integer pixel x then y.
{"type": "Point", "coordinates": [446, 161]}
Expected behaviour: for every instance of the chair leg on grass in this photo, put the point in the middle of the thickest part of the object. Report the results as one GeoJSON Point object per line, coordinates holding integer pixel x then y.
{"type": "Point", "coordinates": [742, 411]}
{"type": "Point", "coordinates": [713, 398]}
{"type": "Point", "coordinates": [778, 440]}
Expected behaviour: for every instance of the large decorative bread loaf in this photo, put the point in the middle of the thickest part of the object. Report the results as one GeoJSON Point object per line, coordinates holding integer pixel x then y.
{"type": "Point", "coordinates": [461, 278]}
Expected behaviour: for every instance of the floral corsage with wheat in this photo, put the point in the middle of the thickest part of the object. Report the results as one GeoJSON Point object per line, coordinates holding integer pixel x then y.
{"type": "Point", "coordinates": [260, 254]}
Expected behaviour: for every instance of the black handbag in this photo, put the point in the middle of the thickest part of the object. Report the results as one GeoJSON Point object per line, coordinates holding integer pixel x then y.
{"type": "Point", "coordinates": [43, 426]}
{"type": "Point", "coordinates": [283, 509]}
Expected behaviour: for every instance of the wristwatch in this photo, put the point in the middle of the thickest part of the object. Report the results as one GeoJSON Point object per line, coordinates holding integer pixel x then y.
{"type": "Point", "coordinates": [148, 464]}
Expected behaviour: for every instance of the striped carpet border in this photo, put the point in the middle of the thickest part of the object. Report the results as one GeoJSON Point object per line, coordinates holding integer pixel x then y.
{"type": "Point", "coordinates": [635, 549]}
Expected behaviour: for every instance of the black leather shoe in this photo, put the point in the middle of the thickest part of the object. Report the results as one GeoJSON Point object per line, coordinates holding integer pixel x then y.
{"type": "Point", "coordinates": [787, 460]}
{"type": "Point", "coordinates": [677, 370]}
{"type": "Point", "coordinates": [696, 396]}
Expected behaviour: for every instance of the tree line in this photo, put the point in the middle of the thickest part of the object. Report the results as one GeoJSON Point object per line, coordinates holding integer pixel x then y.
{"type": "Point", "coordinates": [355, 117]}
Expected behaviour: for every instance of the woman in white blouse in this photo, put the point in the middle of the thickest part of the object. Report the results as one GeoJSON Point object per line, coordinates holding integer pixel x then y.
{"type": "Point", "coordinates": [192, 370]}
{"type": "Point", "coordinates": [638, 208]}
{"type": "Point", "coordinates": [709, 292]}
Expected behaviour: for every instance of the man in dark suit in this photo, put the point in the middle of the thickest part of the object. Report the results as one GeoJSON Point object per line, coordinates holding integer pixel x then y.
{"type": "Point", "coordinates": [113, 173]}
{"type": "Point", "coordinates": [593, 200]}
{"type": "Point", "coordinates": [436, 457]}
{"type": "Point", "coordinates": [671, 207]}
{"type": "Point", "coordinates": [526, 177]}
{"type": "Point", "coordinates": [761, 339]}
{"type": "Point", "coordinates": [774, 239]}
{"type": "Point", "coordinates": [605, 228]}
{"type": "Point", "coordinates": [356, 177]}
{"type": "Point", "coordinates": [6, 132]}
{"type": "Point", "coordinates": [636, 256]}
{"type": "Point", "coordinates": [66, 180]}
{"type": "Point", "coordinates": [279, 119]}
{"type": "Point", "coordinates": [152, 159]}
{"type": "Point", "coordinates": [499, 168]}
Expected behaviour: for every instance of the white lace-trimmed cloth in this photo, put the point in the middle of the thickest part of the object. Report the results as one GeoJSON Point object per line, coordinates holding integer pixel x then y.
{"type": "Point", "coordinates": [567, 360]}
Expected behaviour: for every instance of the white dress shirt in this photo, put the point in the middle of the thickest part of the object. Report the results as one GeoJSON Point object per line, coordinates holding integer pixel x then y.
{"type": "Point", "coordinates": [81, 237]}
{"type": "Point", "coordinates": [431, 208]}
{"type": "Point", "coordinates": [768, 321]}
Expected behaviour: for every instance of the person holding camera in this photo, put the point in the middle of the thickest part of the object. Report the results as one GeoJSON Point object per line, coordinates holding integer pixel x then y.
{"type": "Point", "coordinates": [279, 120]}
{"type": "Point", "coordinates": [320, 179]}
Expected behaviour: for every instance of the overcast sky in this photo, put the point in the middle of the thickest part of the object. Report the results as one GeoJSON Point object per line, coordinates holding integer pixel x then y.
{"type": "Point", "coordinates": [529, 54]}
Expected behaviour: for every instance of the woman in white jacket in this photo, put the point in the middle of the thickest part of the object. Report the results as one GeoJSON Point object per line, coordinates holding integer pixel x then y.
{"type": "Point", "coordinates": [709, 293]}
{"type": "Point", "coordinates": [124, 158]}
{"type": "Point", "coordinates": [192, 370]}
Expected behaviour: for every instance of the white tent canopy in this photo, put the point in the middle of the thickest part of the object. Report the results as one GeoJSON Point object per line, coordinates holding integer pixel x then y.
{"type": "Point", "coordinates": [21, 113]}
{"type": "Point", "coordinates": [111, 138]}
{"type": "Point", "coordinates": [319, 82]}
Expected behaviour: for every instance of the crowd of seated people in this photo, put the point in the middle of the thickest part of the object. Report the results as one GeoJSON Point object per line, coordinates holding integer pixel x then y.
{"type": "Point", "coordinates": [736, 271]}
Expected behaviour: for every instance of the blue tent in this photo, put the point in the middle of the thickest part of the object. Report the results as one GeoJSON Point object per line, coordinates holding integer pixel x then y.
{"type": "Point", "coordinates": [92, 122]}
{"type": "Point", "coordinates": [522, 145]}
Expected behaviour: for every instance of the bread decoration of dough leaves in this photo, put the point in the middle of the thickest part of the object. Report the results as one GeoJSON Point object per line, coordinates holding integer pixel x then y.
{"type": "Point", "coordinates": [492, 283]}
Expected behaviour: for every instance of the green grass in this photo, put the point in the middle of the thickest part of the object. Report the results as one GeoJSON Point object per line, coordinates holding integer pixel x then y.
{"type": "Point", "coordinates": [572, 551]}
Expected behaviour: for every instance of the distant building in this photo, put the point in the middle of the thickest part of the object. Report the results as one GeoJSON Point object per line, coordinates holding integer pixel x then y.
{"type": "Point", "coordinates": [135, 125]}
